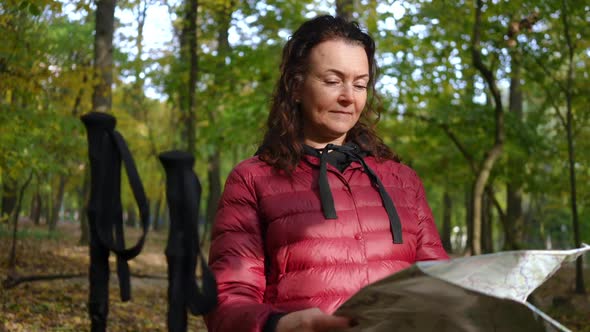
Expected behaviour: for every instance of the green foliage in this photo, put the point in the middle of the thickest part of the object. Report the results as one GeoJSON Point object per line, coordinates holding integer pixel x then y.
{"type": "Point", "coordinates": [428, 86]}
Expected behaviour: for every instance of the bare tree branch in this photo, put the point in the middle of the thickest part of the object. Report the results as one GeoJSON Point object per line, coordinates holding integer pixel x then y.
{"type": "Point", "coordinates": [470, 159]}
{"type": "Point", "coordinates": [13, 280]}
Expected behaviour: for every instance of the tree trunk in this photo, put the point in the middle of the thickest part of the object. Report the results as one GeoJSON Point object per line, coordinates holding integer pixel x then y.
{"type": "Point", "coordinates": [46, 208]}
{"type": "Point", "coordinates": [36, 206]}
{"type": "Point", "coordinates": [580, 288]}
{"type": "Point", "coordinates": [469, 215]}
{"type": "Point", "coordinates": [15, 213]}
{"type": "Point", "coordinates": [157, 206]}
{"type": "Point", "coordinates": [487, 244]}
{"type": "Point", "coordinates": [214, 160]}
{"type": "Point", "coordinates": [214, 192]}
{"type": "Point", "coordinates": [478, 192]}
{"type": "Point", "coordinates": [131, 217]}
{"type": "Point", "coordinates": [494, 153]}
{"type": "Point", "coordinates": [513, 230]}
{"type": "Point", "coordinates": [345, 8]}
{"type": "Point", "coordinates": [57, 202]}
{"type": "Point", "coordinates": [533, 228]}
{"type": "Point", "coordinates": [188, 54]}
{"type": "Point", "coordinates": [8, 198]}
{"type": "Point", "coordinates": [83, 196]}
{"type": "Point", "coordinates": [103, 55]}
{"type": "Point", "coordinates": [446, 228]}
{"type": "Point", "coordinates": [138, 62]}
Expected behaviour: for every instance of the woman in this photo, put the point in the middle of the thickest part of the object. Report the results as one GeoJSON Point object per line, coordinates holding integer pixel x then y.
{"type": "Point", "coordinates": [324, 208]}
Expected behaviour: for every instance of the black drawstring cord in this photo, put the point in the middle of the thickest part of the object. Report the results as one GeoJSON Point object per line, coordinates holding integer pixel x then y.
{"type": "Point", "coordinates": [325, 192]}
{"type": "Point", "coordinates": [327, 200]}
{"type": "Point", "coordinates": [394, 222]}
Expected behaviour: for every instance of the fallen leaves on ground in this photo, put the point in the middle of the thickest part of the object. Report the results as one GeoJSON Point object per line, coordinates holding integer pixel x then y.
{"type": "Point", "coordinates": [61, 305]}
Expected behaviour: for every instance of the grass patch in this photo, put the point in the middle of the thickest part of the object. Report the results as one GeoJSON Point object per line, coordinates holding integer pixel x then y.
{"type": "Point", "coordinates": [29, 233]}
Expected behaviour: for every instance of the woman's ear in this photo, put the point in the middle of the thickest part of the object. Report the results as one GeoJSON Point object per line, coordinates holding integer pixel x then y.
{"type": "Point", "coordinates": [297, 96]}
{"type": "Point", "coordinates": [297, 93]}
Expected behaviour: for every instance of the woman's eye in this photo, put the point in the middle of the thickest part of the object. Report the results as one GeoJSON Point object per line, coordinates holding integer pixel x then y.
{"type": "Point", "coordinates": [332, 82]}
{"type": "Point", "coordinates": [360, 87]}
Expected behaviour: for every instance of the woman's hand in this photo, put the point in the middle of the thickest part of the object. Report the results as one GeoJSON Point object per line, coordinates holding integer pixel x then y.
{"type": "Point", "coordinates": [311, 320]}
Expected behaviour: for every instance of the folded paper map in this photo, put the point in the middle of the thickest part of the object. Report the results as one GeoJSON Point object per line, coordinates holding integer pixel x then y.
{"type": "Point", "coordinates": [477, 293]}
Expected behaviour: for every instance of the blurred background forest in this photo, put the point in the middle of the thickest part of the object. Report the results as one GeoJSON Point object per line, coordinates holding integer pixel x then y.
{"type": "Point", "coordinates": [486, 100]}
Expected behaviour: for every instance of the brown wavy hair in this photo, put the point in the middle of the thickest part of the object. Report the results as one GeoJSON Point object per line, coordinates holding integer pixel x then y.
{"type": "Point", "coordinates": [282, 146]}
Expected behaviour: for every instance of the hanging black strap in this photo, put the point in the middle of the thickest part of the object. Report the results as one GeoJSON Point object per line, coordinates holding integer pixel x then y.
{"type": "Point", "coordinates": [108, 204]}
{"type": "Point", "coordinates": [183, 252]}
{"type": "Point", "coordinates": [354, 153]}
{"type": "Point", "coordinates": [106, 150]}
{"type": "Point", "coordinates": [139, 195]}
{"type": "Point", "coordinates": [325, 192]}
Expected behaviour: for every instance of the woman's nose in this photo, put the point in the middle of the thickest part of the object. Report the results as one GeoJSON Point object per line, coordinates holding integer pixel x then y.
{"type": "Point", "coordinates": [346, 94]}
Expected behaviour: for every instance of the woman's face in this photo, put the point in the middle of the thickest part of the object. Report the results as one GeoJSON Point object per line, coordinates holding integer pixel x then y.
{"type": "Point", "coordinates": [334, 91]}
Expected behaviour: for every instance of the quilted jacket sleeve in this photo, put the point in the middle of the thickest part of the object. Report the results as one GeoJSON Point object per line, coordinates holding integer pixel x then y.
{"type": "Point", "coordinates": [236, 258]}
{"type": "Point", "coordinates": [429, 246]}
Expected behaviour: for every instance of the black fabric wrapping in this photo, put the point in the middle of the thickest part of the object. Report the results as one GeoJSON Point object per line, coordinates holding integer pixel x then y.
{"type": "Point", "coordinates": [354, 153]}
{"type": "Point", "coordinates": [106, 151]}
{"type": "Point", "coordinates": [183, 192]}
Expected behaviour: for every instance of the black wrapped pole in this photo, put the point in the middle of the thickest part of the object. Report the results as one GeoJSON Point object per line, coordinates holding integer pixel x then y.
{"type": "Point", "coordinates": [183, 192]}
{"type": "Point", "coordinates": [106, 151]}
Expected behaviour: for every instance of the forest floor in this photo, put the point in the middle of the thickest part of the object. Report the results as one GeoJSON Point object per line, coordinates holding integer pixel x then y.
{"type": "Point", "coordinates": [60, 305]}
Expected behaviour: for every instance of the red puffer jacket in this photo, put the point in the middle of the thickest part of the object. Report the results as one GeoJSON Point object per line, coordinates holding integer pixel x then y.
{"type": "Point", "coordinates": [273, 251]}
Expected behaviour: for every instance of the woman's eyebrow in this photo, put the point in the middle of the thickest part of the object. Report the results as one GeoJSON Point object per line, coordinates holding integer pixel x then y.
{"type": "Point", "coordinates": [341, 74]}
